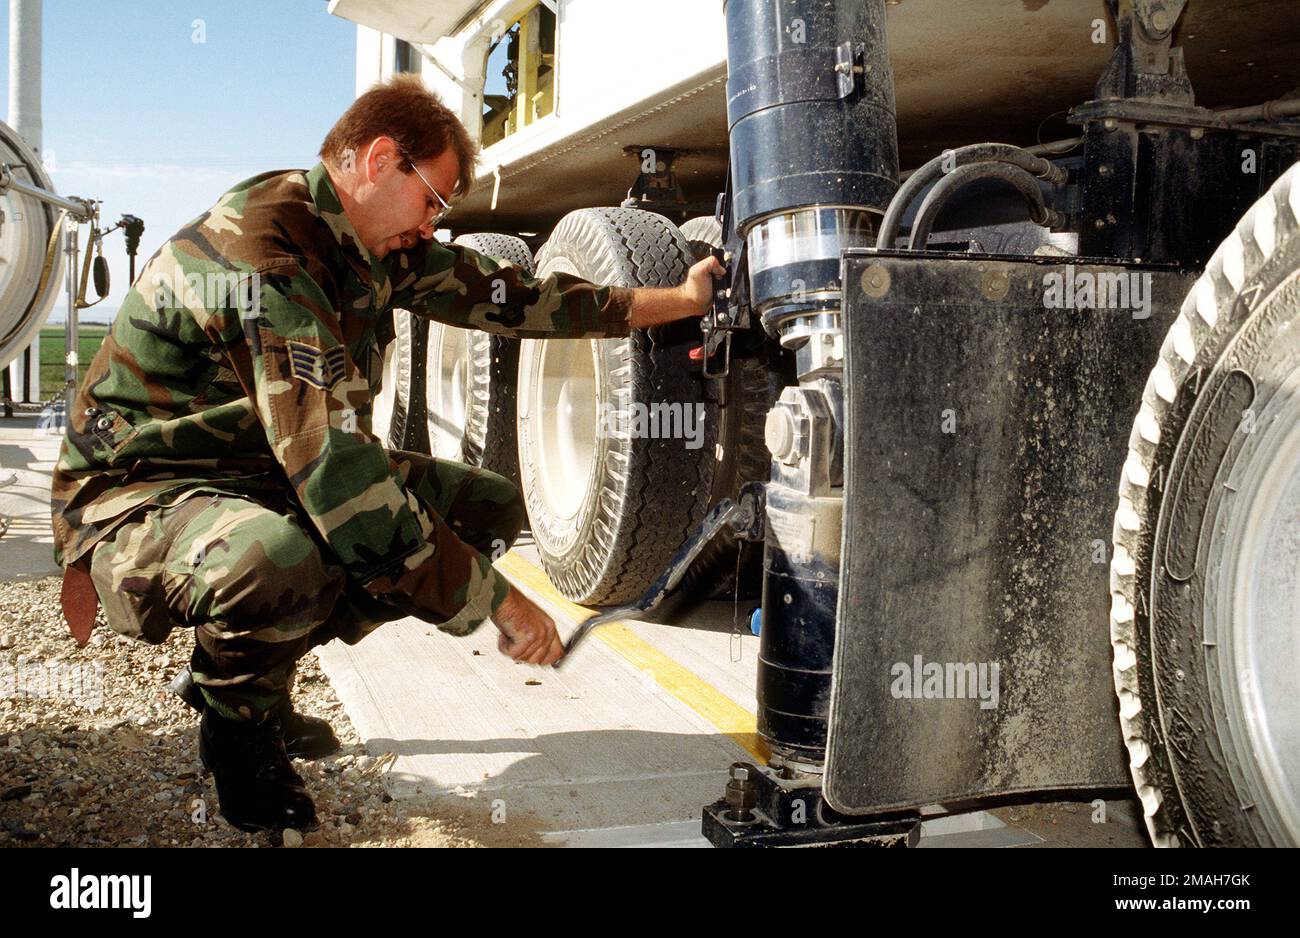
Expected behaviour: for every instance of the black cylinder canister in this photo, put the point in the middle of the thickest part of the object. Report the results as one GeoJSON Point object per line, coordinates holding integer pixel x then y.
{"type": "Point", "coordinates": [797, 138]}
{"type": "Point", "coordinates": [814, 144]}
{"type": "Point", "coordinates": [797, 641]}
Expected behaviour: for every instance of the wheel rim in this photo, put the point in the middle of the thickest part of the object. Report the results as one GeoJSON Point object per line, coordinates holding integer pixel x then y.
{"type": "Point", "coordinates": [382, 416]}
{"type": "Point", "coordinates": [1259, 607]}
{"type": "Point", "coordinates": [449, 392]}
{"type": "Point", "coordinates": [566, 392]}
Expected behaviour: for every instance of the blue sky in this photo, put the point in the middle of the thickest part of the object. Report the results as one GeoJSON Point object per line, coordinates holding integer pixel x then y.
{"type": "Point", "coordinates": [144, 118]}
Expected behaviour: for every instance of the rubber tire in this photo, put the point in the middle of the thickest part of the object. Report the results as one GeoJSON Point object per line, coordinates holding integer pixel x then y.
{"type": "Point", "coordinates": [703, 234]}
{"type": "Point", "coordinates": [1176, 672]}
{"type": "Point", "coordinates": [727, 568]}
{"type": "Point", "coordinates": [644, 496]}
{"type": "Point", "coordinates": [487, 436]}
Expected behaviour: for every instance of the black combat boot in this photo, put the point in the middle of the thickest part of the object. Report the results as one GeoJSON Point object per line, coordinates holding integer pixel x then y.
{"type": "Point", "coordinates": [304, 737]}
{"type": "Point", "coordinates": [256, 784]}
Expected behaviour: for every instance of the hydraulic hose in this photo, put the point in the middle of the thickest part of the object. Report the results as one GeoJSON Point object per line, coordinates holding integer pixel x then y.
{"type": "Point", "coordinates": [1268, 111]}
{"type": "Point", "coordinates": [962, 176]}
{"type": "Point", "coordinates": [994, 153]}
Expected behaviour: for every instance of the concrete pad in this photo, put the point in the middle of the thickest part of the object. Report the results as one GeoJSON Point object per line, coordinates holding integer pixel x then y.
{"type": "Point", "coordinates": [596, 753]}
{"type": "Point", "coordinates": [26, 462]}
{"type": "Point", "coordinates": [595, 744]}
{"type": "Point", "coordinates": [672, 834]}
{"type": "Point", "coordinates": [991, 837]}
{"type": "Point", "coordinates": [972, 829]}
{"type": "Point", "coordinates": [703, 642]}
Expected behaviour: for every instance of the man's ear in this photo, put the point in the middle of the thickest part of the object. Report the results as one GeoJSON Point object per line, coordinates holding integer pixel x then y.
{"type": "Point", "coordinates": [381, 157]}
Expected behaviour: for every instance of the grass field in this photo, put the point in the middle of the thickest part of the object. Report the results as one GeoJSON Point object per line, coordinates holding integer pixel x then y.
{"type": "Point", "coordinates": [52, 343]}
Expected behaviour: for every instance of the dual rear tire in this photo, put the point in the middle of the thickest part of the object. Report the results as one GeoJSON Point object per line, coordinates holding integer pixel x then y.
{"type": "Point", "coordinates": [616, 438]}
{"type": "Point", "coordinates": [619, 445]}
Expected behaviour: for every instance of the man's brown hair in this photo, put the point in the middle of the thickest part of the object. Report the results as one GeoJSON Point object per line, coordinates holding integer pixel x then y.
{"type": "Point", "coordinates": [417, 120]}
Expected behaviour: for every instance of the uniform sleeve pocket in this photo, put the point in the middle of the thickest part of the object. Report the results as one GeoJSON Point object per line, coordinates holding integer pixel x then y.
{"type": "Point", "coordinates": [300, 376]}
{"type": "Point", "coordinates": [111, 430]}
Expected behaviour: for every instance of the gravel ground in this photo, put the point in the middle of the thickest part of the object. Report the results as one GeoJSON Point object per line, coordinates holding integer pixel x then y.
{"type": "Point", "coordinates": [94, 751]}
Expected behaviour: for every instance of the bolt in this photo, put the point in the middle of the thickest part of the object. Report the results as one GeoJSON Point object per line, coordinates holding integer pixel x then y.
{"type": "Point", "coordinates": [1103, 170]}
{"type": "Point", "coordinates": [740, 794]}
{"type": "Point", "coordinates": [995, 284]}
{"type": "Point", "coordinates": [1100, 223]}
{"type": "Point", "coordinates": [828, 340]}
{"type": "Point", "coordinates": [723, 318]}
{"type": "Point", "coordinates": [1110, 123]}
{"type": "Point", "coordinates": [1160, 20]}
{"type": "Point", "coordinates": [875, 281]}
{"type": "Point", "coordinates": [1198, 133]}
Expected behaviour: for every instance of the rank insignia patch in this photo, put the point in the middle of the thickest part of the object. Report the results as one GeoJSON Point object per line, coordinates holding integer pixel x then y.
{"type": "Point", "coordinates": [321, 369]}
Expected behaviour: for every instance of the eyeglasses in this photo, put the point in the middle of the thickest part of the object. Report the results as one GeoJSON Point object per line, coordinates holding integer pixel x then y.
{"type": "Point", "coordinates": [438, 216]}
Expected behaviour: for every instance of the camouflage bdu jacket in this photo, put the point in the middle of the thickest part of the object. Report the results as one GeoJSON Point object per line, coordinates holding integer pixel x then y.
{"type": "Point", "coordinates": [246, 356]}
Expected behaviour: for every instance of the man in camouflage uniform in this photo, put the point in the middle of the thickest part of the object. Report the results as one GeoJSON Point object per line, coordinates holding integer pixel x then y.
{"type": "Point", "coordinates": [219, 470]}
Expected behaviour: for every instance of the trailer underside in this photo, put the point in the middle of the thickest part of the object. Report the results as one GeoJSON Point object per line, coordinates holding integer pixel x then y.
{"type": "Point", "coordinates": [1008, 73]}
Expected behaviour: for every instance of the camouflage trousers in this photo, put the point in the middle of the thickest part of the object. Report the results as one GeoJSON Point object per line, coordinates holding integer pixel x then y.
{"type": "Point", "coordinates": [252, 577]}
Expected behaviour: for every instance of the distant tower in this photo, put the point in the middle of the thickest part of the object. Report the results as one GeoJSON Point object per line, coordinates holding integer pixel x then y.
{"type": "Point", "coordinates": [25, 118]}
{"type": "Point", "coordinates": [25, 70]}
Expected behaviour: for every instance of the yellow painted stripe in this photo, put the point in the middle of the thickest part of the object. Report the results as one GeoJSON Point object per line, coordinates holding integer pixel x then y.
{"type": "Point", "coordinates": [728, 716]}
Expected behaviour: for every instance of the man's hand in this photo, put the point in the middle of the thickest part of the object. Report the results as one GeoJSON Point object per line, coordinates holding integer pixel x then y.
{"type": "Point", "coordinates": [654, 306]}
{"type": "Point", "coordinates": [698, 288]}
{"type": "Point", "coordinates": [527, 633]}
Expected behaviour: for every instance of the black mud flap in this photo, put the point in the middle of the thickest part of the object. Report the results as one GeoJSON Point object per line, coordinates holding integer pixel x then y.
{"type": "Point", "coordinates": [988, 406]}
